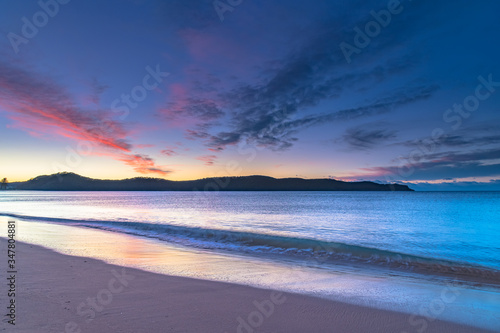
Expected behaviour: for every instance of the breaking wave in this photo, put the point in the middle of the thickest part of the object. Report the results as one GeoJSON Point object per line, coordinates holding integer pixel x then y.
{"type": "Point", "coordinates": [314, 251]}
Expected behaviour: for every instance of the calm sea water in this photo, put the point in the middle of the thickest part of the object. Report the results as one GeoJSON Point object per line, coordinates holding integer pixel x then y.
{"type": "Point", "coordinates": [393, 250]}
{"type": "Point", "coordinates": [461, 227]}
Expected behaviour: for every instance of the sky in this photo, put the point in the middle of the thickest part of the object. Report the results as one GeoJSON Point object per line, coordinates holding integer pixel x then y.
{"type": "Point", "coordinates": [387, 91]}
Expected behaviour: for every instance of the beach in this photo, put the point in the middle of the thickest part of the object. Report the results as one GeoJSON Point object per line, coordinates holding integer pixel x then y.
{"type": "Point", "coordinates": [249, 166]}
{"type": "Point", "coordinates": [54, 293]}
{"type": "Point", "coordinates": [212, 261]}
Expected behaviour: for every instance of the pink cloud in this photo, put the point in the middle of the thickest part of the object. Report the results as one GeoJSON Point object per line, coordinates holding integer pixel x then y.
{"type": "Point", "coordinates": [208, 159]}
{"type": "Point", "coordinates": [169, 152]}
{"type": "Point", "coordinates": [144, 146]}
{"type": "Point", "coordinates": [143, 164]}
{"type": "Point", "coordinates": [38, 105]}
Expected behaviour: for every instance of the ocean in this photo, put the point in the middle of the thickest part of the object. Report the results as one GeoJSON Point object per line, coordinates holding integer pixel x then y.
{"type": "Point", "coordinates": [393, 250]}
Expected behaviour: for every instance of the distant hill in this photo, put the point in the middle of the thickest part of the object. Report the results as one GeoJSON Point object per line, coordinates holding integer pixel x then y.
{"type": "Point", "coordinates": [68, 181]}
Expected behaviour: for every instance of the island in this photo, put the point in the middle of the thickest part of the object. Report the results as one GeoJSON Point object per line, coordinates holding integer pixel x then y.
{"type": "Point", "coordinates": [68, 181]}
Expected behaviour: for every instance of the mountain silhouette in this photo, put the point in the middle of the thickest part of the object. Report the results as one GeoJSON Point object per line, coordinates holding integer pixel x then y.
{"type": "Point", "coordinates": [68, 181]}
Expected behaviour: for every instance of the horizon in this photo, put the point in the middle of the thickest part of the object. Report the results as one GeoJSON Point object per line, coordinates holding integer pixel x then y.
{"type": "Point", "coordinates": [184, 90]}
{"type": "Point", "coordinates": [414, 187]}
{"type": "Point", "coordinates": [253, 175]}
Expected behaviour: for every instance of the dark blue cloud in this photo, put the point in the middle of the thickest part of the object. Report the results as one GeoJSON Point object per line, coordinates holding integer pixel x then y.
{"type": "Point", "coordinates": [492, 185]}
{"type": "Point", "coordinates": [367, 137]}
{"type": "Point", "coordinates": [442, 166]}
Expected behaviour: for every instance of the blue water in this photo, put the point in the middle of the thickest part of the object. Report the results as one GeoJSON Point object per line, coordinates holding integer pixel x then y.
{"type": "Point", "coordinates": [392, 250]}
{"type": "Point", "coordinates": [462, 227]}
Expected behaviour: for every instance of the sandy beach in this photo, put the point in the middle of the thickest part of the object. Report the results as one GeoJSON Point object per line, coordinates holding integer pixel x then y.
{"type": "Point", "coordinates": [249, 166]}
{"type": "Point", "coordinates": [61, 293]}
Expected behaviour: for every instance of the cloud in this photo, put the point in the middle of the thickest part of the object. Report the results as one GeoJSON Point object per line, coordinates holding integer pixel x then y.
{"type": "Point", "coordinates": [477, 155]}
{"type": "Point", "coordinates": [38, 104]}
{"type": "Point", "coordinates": [492, 185]}
{"type": "Point", "coordinates": [365, 138]}
{"type": "Point", "coordinates": [143, 164]}
{"type": "Point", "coordinates": [208, 159]}
{"type": "Point", "coordinates": [169, 152]}
{"type": "Point", "coordinates": [196, 108]}
{"type": "Point", "coordinates": [464, 139]}
{"type": "Point", "coordinates": [439, 166]}
{"type": "Point", "coordinates": [274, 128]}
{"type": "Point", "coordinates": [270, 106]}
{"type": "Point", "coordinates": [41, 102]}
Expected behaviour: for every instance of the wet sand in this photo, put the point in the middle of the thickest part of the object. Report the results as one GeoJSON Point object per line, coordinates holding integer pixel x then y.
{"type": "Point", "coordinates": [62, 293]}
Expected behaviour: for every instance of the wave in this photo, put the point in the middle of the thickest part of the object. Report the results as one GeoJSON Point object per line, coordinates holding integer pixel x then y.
{"type": "Point", "coordinates": [315, 252]}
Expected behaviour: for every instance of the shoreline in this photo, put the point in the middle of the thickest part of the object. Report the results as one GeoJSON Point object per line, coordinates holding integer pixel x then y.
{"type": "Point", "coordinates": [468, 274]}
{"type": "Point", "coordinates": [61, 293]}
